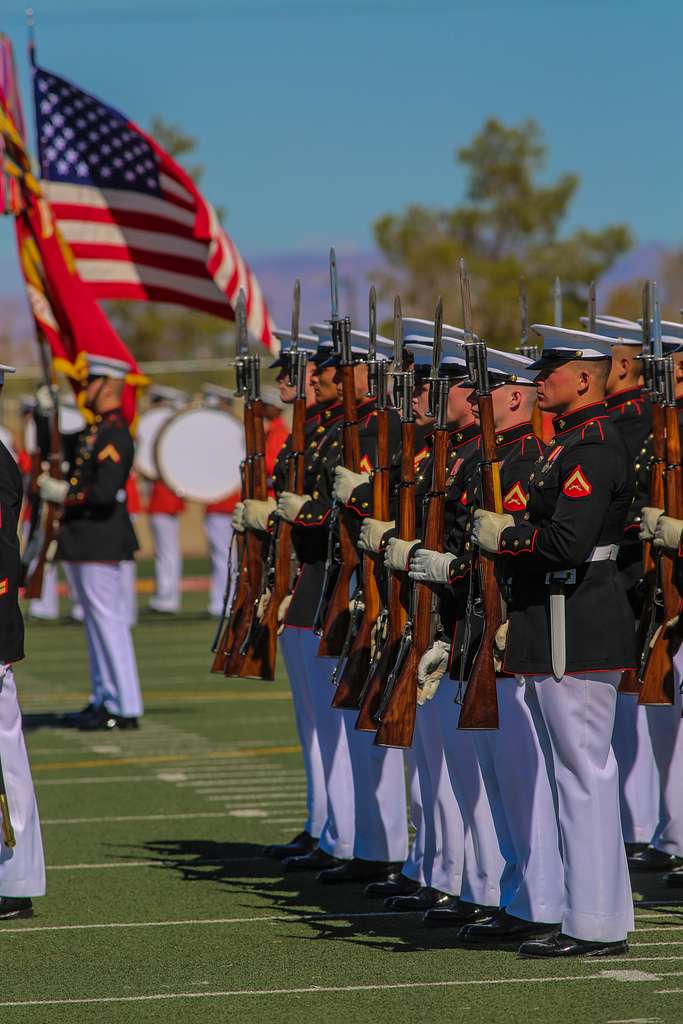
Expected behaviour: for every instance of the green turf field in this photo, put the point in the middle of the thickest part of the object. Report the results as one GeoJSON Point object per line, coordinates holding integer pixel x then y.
{"type": "Point", "coordinates": [160, 909]}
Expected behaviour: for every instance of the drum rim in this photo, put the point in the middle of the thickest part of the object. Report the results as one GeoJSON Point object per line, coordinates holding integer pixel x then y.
{"type": "Point", "coordinates": [179, 415]}
{"type": "Point", "coordinates": [156, 410]}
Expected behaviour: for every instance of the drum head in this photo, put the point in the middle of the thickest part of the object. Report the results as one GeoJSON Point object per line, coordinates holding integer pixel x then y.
{"type": "Point", "coordinates": [149, 425]}
{"type": "Point", "coordinates": [198, 454]}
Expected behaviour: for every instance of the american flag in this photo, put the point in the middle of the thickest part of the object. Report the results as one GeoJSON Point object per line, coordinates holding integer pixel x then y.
{"type": "Point", "coordinates": [136, 223]}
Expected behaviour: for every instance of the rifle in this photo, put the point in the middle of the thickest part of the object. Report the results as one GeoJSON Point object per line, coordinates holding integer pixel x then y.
{"type": "Point", "coordinates": [480, 704]}
{"type": "Point", "coordinates": [357, 664]}
{"type": "Point", "coordinates": [53, 513]}
{"type": "Point", "coordinates": [399, 584]}
{"type": "Point", "coordinates": [658, 674]}
{"type": "Point", "coordinates": [231, 625]}
{"type": "Point", "coordinates": [8, 836]}
{"type": "Point", "coordinates": [632, 678]}
{"type": "Point", "coordinates": [528, 349]}
{"type": "Point", "coordinates": [336, 616]}
{"type": "Point", "coordinates": [398, 706]}
{"type": "Point", "coordinates": [260, 647]}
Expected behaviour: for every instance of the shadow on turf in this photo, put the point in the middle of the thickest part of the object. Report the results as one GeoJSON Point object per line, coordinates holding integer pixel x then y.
{"type": "Point", "coordinates": [241, 868]}
{"type": "Point", "coordinates": [43, 720]}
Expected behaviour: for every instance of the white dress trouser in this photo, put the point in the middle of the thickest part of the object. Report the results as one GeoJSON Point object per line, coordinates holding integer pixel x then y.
{"type": "Point", "coordinates": [129, 577]}
{"type": "Point", "coordinates": [415, 861]}
{"type": "Point", "coordinates": [218, 529]}
{"type": "Point", "coordinates": [664, 724]}
{"type": "Point", "coordinates": [167, 561]}
{"type": "Point", "coordinates": [22, 868]}
{"type": "Point", "coordinates": [574, 719]}
{"type": "Point", "coordinates": [521, 799]}
{"type": "Point", "coordinates": [638, 777]}
{"type": "Point", "coordinates": [337, 835]}
{"type": "Point", "coordinates": [444, 840]}
{"type": "Point", "coordinates": [47, 605]}
{"type": "Point", "coordinates": [484, 869]}
{"type": "Point", "coordinates": [113, 668]}
{"type": "Point", "coordinates": [294, 656]}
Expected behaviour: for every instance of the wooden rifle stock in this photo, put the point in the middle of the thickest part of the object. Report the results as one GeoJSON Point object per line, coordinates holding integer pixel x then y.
{"type": "Point", "coordinates": [480, 704]}
{"type": "Point", "coordinates": [630, 680]}
{"type": "Point", "coordinates": [397, 722]}
{"type": "Point", "coordinates": [254, 663]}
{"type": "Point", "coordinates": [399, 587]}
{"type": "Point", "coordinates": [228, 641]}
{"type": "Point", "coordinates": [338, 614]}
{"type": "Point", "coordinates": [355, 672]}
{"type": "Point", "coordinates": [262, 653]}
{"type": "Point", "coordinates": [52, 519]}
{"type": "Point", "coordinates": [658, 676]}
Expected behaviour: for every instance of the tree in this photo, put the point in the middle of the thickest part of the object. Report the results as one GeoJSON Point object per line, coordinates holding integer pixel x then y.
{"type": "Point", "coordinates": [509, 225]}
{"type": "Point", "coordinates": [154, 330]}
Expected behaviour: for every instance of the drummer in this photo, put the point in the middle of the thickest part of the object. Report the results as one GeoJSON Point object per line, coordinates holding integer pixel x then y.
{"type": "Point", "coordinates": [218, 515]}
{"type": "Point", "coordinates": [164, 511]}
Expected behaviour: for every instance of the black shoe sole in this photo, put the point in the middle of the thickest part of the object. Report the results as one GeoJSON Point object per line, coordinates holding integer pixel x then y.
{"type": "Point", "coordinates": [508, 938]}
{"type": "Point", "coordinates": [590, 954]}
{"type": "Point", "coordinates": [12, 915]}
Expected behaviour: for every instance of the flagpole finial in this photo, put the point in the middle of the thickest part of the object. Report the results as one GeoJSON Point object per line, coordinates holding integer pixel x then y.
{"type": "Point", "coordinates": [29, 17]}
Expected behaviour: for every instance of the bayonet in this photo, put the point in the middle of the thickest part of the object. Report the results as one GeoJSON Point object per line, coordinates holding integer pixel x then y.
{"type": "Point", "coordinates": [523, 317]}
{"type": "Point", "coordinates": [296, 315]}
{"type": "Point", "coordinates": [592, 308]}
{"type": "Point", "coordinates": [470, 344]}
{"type": "Point", "coordinates": [241, 345]}
{"type": "Point", "coordinates": [372, 324]}
{"type": "Point", "coordinates": [334, 287]}
{"type": "Point", "coordinates": [398, 335]}
{"type": "Point", "coordinates": [557, 302]}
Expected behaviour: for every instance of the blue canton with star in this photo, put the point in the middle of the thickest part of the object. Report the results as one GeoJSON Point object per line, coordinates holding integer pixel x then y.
{"type": "Point", "coordinates": [85, 142]}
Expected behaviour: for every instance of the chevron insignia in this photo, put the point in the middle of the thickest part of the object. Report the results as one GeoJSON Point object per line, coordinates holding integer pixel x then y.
{"type": "Point", "coordinates": [365, 465]}
{"type": "Point", "coordinates": [515, 499]}
{"type": "Point", "coordinates": [108, 452]}
{"type": "Point", "coordinates": [576, 485]}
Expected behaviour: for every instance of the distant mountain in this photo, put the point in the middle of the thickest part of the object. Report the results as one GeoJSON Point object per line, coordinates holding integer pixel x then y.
{"type": "Point", "coordinates": [277, 272]}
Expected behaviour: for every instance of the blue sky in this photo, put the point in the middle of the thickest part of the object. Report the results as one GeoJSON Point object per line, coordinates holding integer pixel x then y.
{"type": "Point", "coordinates": [314, 117]}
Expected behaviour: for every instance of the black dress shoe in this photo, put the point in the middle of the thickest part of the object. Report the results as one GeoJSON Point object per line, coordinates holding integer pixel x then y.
{"type": "Point", "coordinates": [358, 870]}
{"type": "Point", "coordinates": [103, 720]}
{"type": "Point", "coordinates": [74, 718]}
{"type": "Point", "coordinates": [395, 885]}
{"type": "Point", "coordinates": [632, 848]}
{"type": "Point", "coordinates": [505, 928]}
{"type": "Point", "coordinates": [296, 847]}
{"type": "Point", "coordinates": [423, 899]}
{"type": "Point", "coordinates": [651, 859]}
{"type": "Point", "coordinates": [316, 860]}
{"type": "Point", "coordinates": [560, 945]}
{"type": "Point", "coordinates": [674, 879]}
{"type": "Point", "coordinates": [456, 912]}
{"type": "Point", "coordinates": [13, 906]}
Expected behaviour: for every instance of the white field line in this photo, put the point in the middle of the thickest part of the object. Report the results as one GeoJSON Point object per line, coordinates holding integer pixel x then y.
{"type": "Point", "coordinates": [134, 817]}
{"type": "Point", "coordinates": [320, 989]}
{"type": "Point", "coordinates": [192, 922]}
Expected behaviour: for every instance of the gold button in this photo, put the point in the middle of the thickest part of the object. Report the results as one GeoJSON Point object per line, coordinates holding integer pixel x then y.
{"type": "Point", "coordinates": [73, 481]}
{"type": "Point", "coordinates": [320, 430]}
{"type": "Point", "coordinates": [365, 505]}
{"type": "Point", "coordinates": [503, 543]}
{"type": "Point", "coordinates": [527, 543]}
{"type": "Point", "coordinates": [540, 483]}
{"type": "Point", "coordinates": [499, 439]}
{"type": "Point", "coordinates": [531, 476]}
{"type": "Point", "coordinates": [467, 546]}
{"type": "Point", "coordinates": [308, 515]}
{"type": "Point", "coordinates": [562, 423]}
{"type": "Point", "coordinates": [525, 516]}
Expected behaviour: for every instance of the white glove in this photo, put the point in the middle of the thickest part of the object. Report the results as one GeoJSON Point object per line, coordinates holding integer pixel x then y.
{"type": "Point", "coordinates": [238, 517]}
{"type": "Point", "coordinates": [648, 522]}
{"type": "Point", "coordinates": [499, 644]}
{"type": "Point", "coordinates": [289, 505]}
{"type": "Point", "coordinates": [54, 491]}
{"type": "Point", "coordinates": [345, 483]}
{"type": "Point", "coordinates": [668, 533]}
{"type": "Point", "coordinates": [488, 527]}
{"type": "Point", "coordinates": [44, 403]}
{"type": "Point", "coordinates": [371, 533]}
{"type": "Point", "coordinates": [430, 566]}
{"type": "Point", "coordinates": [256, 513]}
{"type": "Point", "coordinates": [262, 606]}
{"type": "Point", "coordinates": [433, 664]}
{"type": "Point", "coordinates": [282, 613]}
{"type": "Point", "coordinates": [397, 552]}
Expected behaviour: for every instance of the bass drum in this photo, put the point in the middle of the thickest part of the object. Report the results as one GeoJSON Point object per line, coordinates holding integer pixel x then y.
{"type": "Point", "coordinates": [149, 425]}
{"type": "Point", "coordinates": [198, 454]}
